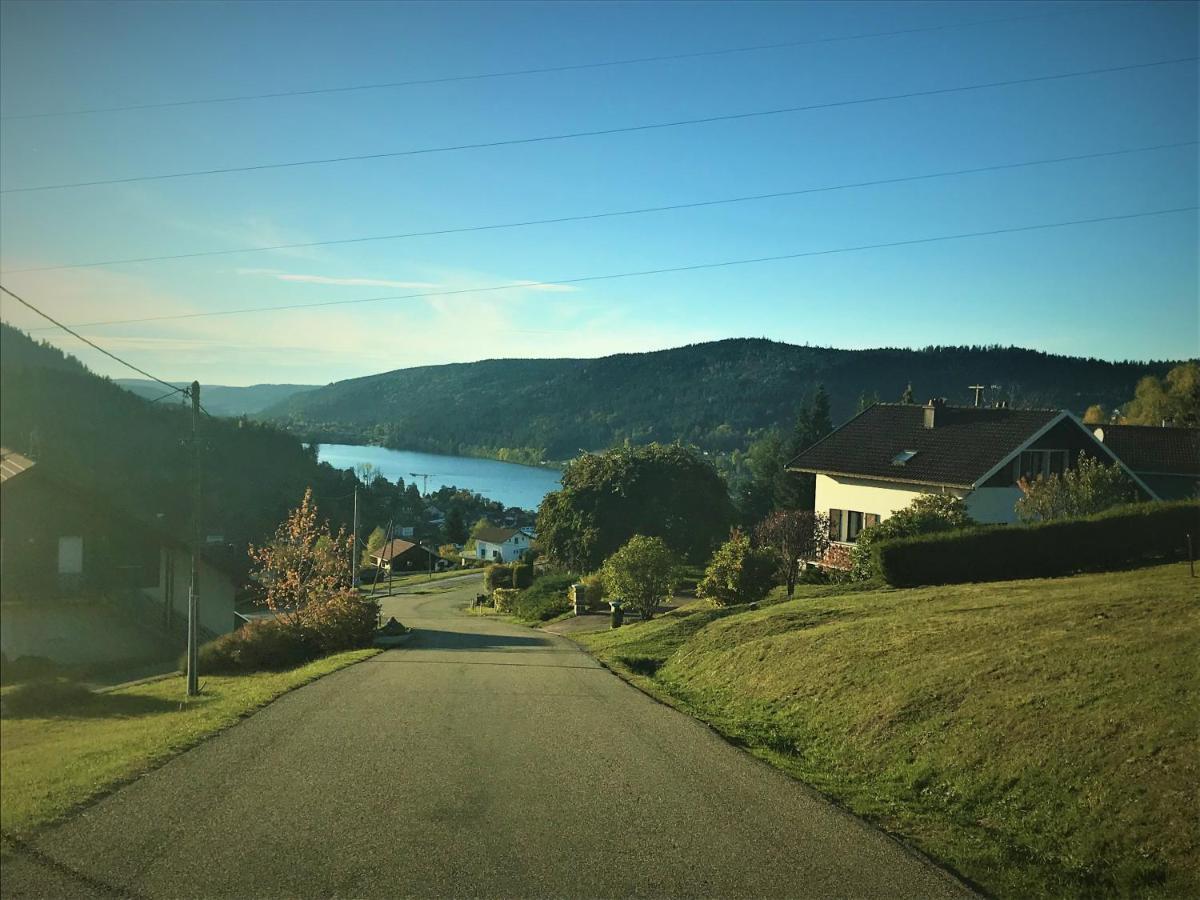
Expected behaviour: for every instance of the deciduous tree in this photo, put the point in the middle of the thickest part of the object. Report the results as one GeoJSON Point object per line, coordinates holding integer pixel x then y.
{"type": "Point", "coordinates": [640, 573]}
{"type": "Point", "coordinates": [793, 535]}
{"type": "Point", "coordinates": [1090, 487]}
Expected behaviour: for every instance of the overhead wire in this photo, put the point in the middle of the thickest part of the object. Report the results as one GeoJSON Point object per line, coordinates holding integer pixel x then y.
{"type": "Point", "coordinates": [89, 342]}
{"type": "Point", "coordinates": [570, 67]}
{"type": "Point", "coordinates": [584, 217]}
{"type": "Point", "coordinates": [601, 132]}
{"type": "Point", "coordinates": [1040, 226]}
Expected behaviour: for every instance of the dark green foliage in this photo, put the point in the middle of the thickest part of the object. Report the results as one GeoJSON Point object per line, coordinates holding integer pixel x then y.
{"type": "Point", "coordinates": [718, 395]}
{"type": "Point", "coordinates": [546, 599]}
{"type": "Point", "coordinates": [1121, 537]}
{"type": "Point", "coordinates": [739, 572]}
{"type": "Point", "coordinates": [255, 647]}
{"type": "Point", "coordinates": [522, 575]}
{"type": "Point", "coordinates": [666, 491]}
{"type": "Point", "coordinates": [456, 526]}
{"type": "Point", "coordinates": [498, 576]}
{"type": "Point", "coordinates": [926, 514]}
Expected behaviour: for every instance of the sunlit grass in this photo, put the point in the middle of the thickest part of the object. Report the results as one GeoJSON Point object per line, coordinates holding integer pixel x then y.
{"type": "Point", "coordinates": [1041, 737]}
{"type": "Point", "coordinates": [70, 752]}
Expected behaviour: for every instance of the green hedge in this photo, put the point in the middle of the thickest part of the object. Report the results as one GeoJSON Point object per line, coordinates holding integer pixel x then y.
{"type": "Point", "coordinates": [498, 576]}
{"type": "Point", "coordinates": [522, 575]}
{"type": "Point", "coordinates": [1118, 538]}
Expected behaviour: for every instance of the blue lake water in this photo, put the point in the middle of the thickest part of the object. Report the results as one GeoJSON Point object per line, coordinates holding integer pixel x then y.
{"type": "Point", "coordinates": [510, 484]}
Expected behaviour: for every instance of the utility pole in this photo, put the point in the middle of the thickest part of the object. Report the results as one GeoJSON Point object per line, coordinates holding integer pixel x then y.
{"type": "Point", "coordinates": [193, 659]}
{"type": "Point", "coordinates": [354, 542]}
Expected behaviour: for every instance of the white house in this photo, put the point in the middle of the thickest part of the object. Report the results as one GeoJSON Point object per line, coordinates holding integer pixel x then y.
{"type": "Point", "coordinates": [502, 544]}
{"type": "Point", "coordinates": [891, 453]}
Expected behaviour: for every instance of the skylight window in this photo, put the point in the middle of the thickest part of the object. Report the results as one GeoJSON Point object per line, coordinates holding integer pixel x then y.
{"type": "Point", "coordinates": [903, 457]}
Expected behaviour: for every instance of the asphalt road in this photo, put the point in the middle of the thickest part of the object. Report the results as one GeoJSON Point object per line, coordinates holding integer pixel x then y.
{"type": "Point", "coordinates": [482, 759]}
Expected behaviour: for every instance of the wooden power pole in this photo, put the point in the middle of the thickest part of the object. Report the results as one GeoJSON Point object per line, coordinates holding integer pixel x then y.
{"type": "Point", "coordinates": [193, 675]}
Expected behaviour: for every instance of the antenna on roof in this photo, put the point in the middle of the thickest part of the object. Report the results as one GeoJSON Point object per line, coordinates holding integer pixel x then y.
{"type": "Point", "coordinates": [978, 389]}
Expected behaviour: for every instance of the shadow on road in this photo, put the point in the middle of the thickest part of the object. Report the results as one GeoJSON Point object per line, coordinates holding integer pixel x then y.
{"type": "Point", "coordinates": [437, 639]}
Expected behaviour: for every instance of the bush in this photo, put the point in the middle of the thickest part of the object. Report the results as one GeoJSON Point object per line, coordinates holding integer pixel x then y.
{"type": "Point", "coordinates": [498, 576]}
{"type": "Point", "coordinates": [546, 599]}
{"type": "Point", "coordinates": [595, 589]}
{"type": "Point", "coordinates": [346, 621]}
{"type": "Point", "coordinates": [266, 644]}
{"type": "Point", "coordinates": [927, 514]}
{"type": "Point", "coordinates": [1128, 535]}
{"type": "Point", "coordinates": [522, 575]}
{"type": "Point", "coordinates": [504, 599]}
{"type": "Point", "coordinates": [641, 573]}
{"type": "Point", "coordinates": [738, 572]}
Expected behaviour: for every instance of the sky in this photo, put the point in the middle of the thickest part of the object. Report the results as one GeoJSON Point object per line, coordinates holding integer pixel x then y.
{"type": "Point", "coordinates": [1118, 289]}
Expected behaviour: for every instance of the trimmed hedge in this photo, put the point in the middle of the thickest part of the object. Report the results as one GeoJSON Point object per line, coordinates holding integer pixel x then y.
{"type": "Point", "coordinates": [498, 576]}
{"type": "Point", "coordinates": [1117, 538]}
{"type": "Point", "coordinates": [522, 575]}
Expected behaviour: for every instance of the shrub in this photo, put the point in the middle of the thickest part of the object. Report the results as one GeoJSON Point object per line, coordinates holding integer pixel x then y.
{"type": "Point", "coordinates": [504, 599]}
{"type": "Point", "coordinates": [546, 599]}
{"type": "Point", "coordinates": [522, 575]}
{"type": "Point", "coordinates": [497, 576]}
{"type": "Point", "coordinates": [1128, 535]}
{"type": "Point", "coordinates": [1089, 488]}
{"type": "Point", "coordinates": [927, 514]}
{"type": "Point", "coordinates": [595, 589]}
{"type": "Point", "coordinates": [738, 572]}
{"type": "Point", "coordinates": [267, 644]}
{"type": "Point", "coordinates": [346, 621]}
{"type": "Point", "coordinates": [641, 573]}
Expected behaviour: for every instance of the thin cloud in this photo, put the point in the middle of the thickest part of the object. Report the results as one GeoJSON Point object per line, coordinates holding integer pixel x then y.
{"type": "Point", "coordinates": [346, 282]}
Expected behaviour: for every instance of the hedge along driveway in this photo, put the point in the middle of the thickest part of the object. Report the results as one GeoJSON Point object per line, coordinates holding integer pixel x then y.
{"type": "Point", "coordinates": [54, 763]}
{"type": "Point", "coordinates": [1124, 536]}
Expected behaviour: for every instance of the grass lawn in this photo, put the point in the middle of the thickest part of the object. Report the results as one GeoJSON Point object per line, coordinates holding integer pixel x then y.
{"type": "Point", "coordinates": [53, 762]}
{"type": "Point", "coordinates": [1040, 737]}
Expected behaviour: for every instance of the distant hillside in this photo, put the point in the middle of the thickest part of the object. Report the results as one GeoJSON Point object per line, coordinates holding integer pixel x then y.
{"type": "Point", "coordinates": [715, 395]}
{"type": "Point", "coordinates": [224, 400]}
{"type": "Point", "coordinates": [94, 434]}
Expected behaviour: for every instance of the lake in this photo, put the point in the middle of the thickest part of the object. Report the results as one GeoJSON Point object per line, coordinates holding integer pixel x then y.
{"type": "Point", "coordinates": [509, 483]}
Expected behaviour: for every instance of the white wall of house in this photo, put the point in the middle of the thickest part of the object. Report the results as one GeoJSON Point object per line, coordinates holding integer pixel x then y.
{"type": "Point", "coordinates": [994, 506]}
{"type": "Point", "coordinates": [509, 551]}
{"type": "Point", "coordinates": [217, 591]}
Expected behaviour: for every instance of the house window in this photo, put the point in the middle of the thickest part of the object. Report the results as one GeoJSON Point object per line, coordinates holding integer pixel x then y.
{"type": "Point", "coordinates": [854, 524]}
{"type": "Point", "coordinates": [1034, 463]}
{"type": "Point", "coordinates": [845, 525]}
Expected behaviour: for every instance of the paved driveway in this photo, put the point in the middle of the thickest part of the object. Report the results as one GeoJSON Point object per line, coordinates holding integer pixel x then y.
{"type": "Point", "coordinates": [482, 759]}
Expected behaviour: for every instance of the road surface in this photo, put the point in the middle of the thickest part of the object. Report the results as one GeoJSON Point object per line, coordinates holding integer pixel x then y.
{"type": "Point", "coordinates": [482, 759]}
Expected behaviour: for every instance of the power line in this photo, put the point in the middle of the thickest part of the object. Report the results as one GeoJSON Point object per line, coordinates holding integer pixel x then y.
{"type": "Point", "coordinates": [1041, 226]}
{"type": "Point", "coordinates": [544, 70]}
{"type": "Point", "coordinates": [748, 198]}
{"type": "Point", "coordinates": [600, 132]}
{"type": "Point", "coordinates": [91, 344]}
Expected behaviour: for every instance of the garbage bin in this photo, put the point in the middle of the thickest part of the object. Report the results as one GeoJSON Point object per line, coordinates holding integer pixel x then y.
{"type": "Point", "coordinates": [618, 613]}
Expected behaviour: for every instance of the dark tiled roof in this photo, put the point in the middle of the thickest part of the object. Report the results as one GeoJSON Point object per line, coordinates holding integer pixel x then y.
{"type": "Point", "coordinates": [1145, 448]}
{"type": "Point", "coordinates": [394, 548]}
{"type": "Point", "coordinates": [963, 446]}
{"type": "Point", "coordinates": [12, 464]}
{"type": "Point", "coordinates": [495, 535]}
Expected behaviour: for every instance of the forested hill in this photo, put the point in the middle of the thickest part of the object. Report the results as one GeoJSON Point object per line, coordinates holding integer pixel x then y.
{"type": "Point", "coordinates": [223, 400]}
{"type": "Point", "coordinates": [715, 395]}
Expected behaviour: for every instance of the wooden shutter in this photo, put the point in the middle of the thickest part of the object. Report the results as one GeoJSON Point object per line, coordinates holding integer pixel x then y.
{"type": "Point", "coordinates": [835, 524]}
{"type": "Point", "coordinates": [870, 519]}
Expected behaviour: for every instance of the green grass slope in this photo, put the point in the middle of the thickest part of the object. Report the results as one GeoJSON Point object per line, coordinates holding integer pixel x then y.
{"type": "Point", "coordinates": [1040, 737]}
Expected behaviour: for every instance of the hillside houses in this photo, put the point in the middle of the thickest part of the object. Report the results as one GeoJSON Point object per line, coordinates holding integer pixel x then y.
{"type": "Point", "coordinates": [502, 545]}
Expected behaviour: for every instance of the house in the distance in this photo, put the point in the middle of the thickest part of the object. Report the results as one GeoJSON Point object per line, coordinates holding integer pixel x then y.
{"type": "Point", "coordinates": [1166, 459]}
{"type": "Point", "coordinates": [405, 556]}
{"type": "Point", "coordinates": [502, 545]}
{"type": "Point", "coordinates": [889, 454]}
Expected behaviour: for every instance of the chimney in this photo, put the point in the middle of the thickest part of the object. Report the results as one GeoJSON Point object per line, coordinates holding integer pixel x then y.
{"type": "Point", "coordinates": [930, 409]}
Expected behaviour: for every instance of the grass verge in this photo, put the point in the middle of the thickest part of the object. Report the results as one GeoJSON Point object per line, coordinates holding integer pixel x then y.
{"type": "Point", "coordinates": [1040, 737]}
{"type": "Point", "coordinates": [71, 749]}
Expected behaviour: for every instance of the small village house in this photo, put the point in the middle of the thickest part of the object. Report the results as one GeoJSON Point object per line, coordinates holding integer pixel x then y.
{"type": "Point", "coordinates": [889, 454]}
{"type": "Point", "coordinates": [404, 556]}
{"type": "Point", "coordinates": [59, 540]}
{"type": "Point", "coordinates": [502, 545]}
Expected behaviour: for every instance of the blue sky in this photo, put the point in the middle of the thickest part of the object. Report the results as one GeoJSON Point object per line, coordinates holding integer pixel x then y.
{"type": "Point", "coordinates": [1118, 290]}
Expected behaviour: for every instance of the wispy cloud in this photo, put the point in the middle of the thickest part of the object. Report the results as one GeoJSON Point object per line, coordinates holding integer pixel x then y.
{"type": "Point", "coordinates": [345, 282]}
